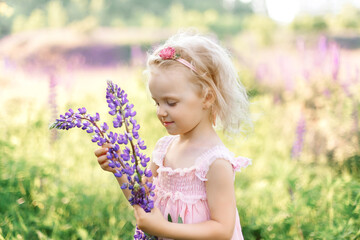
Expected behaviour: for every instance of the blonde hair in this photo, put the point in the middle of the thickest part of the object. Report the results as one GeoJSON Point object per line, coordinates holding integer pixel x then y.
{"type": "Point", "coordinates": [214, 70]}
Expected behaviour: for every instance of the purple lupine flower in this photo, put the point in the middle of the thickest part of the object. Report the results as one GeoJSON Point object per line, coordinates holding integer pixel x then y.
{"type": "Point", "coordinates": [306, 74]}
{"type": "Point", "coordinates": [300, 45]}
{"type": "Point", "coordinates": [286, 75]}
{"type": "Point", "coordinates": [299, 141]}
{"type": "Point", "coordinates": [262, 72]}
{"type": "Point", "coordinates": [123, 113]}
{"type": "Point", "coordinates": [335, 61]}
{"type": "Point", "coordinates": [327, 93]}
{"type": "Point", "coordinates": [322, 50]}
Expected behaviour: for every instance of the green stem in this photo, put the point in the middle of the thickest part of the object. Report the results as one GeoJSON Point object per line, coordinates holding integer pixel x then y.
{"type": "Point", "coordinates": [131, 143]}
{"type": "Point", "coordinates": [128, 132]}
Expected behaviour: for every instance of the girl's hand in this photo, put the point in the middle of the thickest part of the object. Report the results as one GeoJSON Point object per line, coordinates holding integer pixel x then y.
{"type": "Point", "coordinates": [152, 223]}
{"type": "Point", "coordinates": [102, 159]}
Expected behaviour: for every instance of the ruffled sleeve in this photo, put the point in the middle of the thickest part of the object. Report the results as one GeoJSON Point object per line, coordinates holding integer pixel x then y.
{"type": "Point", "coordinates": [220, 152]}
{"type": "Point", "coordinates": [160, 150]}
{"type": "Point", "coordinates": [240, 162]}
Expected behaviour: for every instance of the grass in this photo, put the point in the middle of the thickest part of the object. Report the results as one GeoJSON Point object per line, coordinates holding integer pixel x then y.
{"type": "Point", "coordinates": [57, 190]}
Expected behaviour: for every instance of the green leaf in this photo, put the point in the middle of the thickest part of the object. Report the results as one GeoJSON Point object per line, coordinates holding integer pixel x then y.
{"type": "Point", "coordinates": [180, 220]}
{"type": "Point", "coordinates": [169, 218]}
{"type": "Point", "coordinates": [150, 237]}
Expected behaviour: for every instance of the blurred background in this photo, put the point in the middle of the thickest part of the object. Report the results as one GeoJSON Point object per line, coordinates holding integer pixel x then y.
{"type": "Point", "coordinates": [299, 61]}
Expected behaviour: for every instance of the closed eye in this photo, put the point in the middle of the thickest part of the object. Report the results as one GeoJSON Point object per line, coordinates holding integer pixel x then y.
{"type": "Point", "coordinates": [171, 104]}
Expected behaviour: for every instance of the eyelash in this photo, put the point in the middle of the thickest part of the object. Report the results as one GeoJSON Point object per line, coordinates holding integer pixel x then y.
{"type": "Point", "coordinates": [168, 103]}
{"type": "Point", "coordinates": [171, 104]}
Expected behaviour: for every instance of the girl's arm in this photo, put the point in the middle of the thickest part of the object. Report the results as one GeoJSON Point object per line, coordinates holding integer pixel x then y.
{"type": "Point", "coordinates": [221, 200]}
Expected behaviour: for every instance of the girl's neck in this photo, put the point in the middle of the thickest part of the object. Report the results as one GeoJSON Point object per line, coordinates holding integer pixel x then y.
{"type": "Point", "coordinates": [201, 135]}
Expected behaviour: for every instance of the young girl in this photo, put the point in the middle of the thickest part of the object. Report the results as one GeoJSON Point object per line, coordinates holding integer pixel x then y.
{"type": "Point", "coordinates": [194, 85]}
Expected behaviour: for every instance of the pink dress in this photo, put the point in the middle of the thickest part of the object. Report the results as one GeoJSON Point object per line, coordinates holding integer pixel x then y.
{"type": "Point", "coordinates": [182, 192]}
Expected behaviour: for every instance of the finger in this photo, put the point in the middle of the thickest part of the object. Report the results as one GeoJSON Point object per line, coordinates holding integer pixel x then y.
{"type": "Point", "coordinates": [119, 151]}
{"type": "Point", "coordinates": [157, 211]}
{"type": "Point", "coordinates": [136, 214]}
{"type": "Point", "coordinates": [107, 145]}
{"type": "Point", "coordinates": [100, 151]}
{"type": "Point", "coordinates": [139, 210]}
{"type": "Point", "coordinates": [106, 167]}
{"type": "Point", "coordinates": [102, 159]}
{"type": "Point", "coordinates": [136, 209]}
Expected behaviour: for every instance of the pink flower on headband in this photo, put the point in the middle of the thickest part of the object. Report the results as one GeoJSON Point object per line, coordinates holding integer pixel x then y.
{"type": "Point", "coordinates": [168, 53]}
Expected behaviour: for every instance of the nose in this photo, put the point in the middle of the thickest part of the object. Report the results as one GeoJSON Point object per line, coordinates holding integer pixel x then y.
{"type": "Point", "coordinates": [161, 112]}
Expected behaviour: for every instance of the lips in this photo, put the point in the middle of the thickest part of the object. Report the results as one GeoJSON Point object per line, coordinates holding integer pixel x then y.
{"type": "Point", "coordinates": [167, 123]}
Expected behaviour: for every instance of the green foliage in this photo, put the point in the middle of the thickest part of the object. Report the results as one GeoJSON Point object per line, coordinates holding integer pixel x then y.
{"type": "Point", "coordinates": [37, 199]}
{"type": "Point", "coordinates": [88, 14]}
{"type": "Point", "coordinates": [58, 191]}
{"type": "Point", "coordinates": [263, 27]}
{"type": "Point", "coordinates": [179, 220]}
{"type": "Point", "coordinates": [225, 18]}
{"type": "Point", "coordinates": [309, 24]}
{"type": "Point", "coordinates": [279, 198]}
{"type": "Point", "coordinates": [348, 19]}
{"type": "Point", "coordinates": [56, 14]}
{"type": "Point", "coordinates": [53, 15]}
{"type": "Point", "coordinates": [5, 14]}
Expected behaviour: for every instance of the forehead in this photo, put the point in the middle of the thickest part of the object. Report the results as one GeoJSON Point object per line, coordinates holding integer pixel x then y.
{"type": "Point", "coordinates": [174, 80]}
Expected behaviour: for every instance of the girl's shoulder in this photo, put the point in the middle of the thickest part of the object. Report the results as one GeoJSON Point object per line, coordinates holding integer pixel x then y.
{"type": "Point", "coordinates": [160, 149]}
{"type": "Point", "coordinates": [220, 152]}
{"type": "Point", "coordinates": [205, 160]}
{"type": "Point", "coordinates": [162, 144]}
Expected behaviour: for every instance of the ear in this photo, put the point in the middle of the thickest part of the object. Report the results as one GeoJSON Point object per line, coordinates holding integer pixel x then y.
{"type": "Point", "coordinates": [208, 98]}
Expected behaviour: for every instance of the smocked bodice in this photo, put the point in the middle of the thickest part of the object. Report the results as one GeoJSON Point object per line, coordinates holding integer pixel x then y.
{"type": "Point", "coordinates": [184, 185]}
{"type": "Point", "coordinates": [182, 192]}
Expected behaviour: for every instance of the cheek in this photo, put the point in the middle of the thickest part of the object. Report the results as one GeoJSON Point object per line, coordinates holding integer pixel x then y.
{"type": "Point", "coordinates": [196, 104]}
{"type": "Point", "coordinates": [193, 110]}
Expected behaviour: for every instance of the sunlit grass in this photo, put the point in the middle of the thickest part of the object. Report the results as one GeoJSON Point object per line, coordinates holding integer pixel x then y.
{"type": "Point", "coordinates": [58, 191]}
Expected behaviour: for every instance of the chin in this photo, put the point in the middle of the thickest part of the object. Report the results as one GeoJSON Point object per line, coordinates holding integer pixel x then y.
{"type": "Point", "coordinates": [172, 132]}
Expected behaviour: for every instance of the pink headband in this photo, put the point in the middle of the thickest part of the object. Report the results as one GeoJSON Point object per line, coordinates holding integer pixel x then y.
{"type": "Point", "coordinates": [169, 53]}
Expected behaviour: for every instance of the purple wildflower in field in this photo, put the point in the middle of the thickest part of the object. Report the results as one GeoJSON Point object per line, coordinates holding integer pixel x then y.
{"type": "Point", "coordinates": [327, 93]}
{"type": "Point", "coordinates": [285, 69]}
{"type": "Point", "coordinates": [9, 64]}
{"type": "Point", "coordinates": [261, 72]}
{"type": "Point", "coordinates": [299, 141]}
{"type": "Point", "coordinates": [321, 51]}
{"type": "Point", "coordinates": [129, 161]}
{"type": "Point", "coordinates": [335, 61]}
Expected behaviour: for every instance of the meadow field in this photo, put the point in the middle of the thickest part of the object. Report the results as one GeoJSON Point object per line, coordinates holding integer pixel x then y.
{"type": "Point", "coordinates": [303, 182]}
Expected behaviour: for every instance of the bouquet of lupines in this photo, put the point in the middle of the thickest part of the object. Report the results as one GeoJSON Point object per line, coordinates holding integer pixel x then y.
{"type": "Point", "coordinates": [129, 161]}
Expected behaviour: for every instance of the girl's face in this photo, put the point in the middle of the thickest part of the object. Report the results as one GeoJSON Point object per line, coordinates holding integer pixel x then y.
{"type": "Point", "coordinates": [180, 107]}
